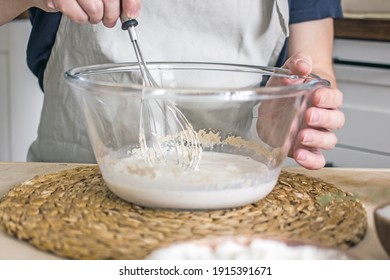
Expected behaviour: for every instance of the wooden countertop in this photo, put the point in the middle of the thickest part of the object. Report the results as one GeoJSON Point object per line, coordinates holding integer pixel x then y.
{"type": "Point", "coordinates": [372, 186]}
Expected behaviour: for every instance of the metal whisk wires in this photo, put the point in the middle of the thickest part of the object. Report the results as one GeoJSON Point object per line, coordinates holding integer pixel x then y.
{"type": "Point", "coordinates": [186, 144]}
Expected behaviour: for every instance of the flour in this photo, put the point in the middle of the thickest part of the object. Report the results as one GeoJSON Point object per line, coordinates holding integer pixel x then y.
{"type": "Point", "coordinates": [221, 180]}
{"type": "Point", "coordinates": [234, 249]}
{"type": "Point", "coordinates": [384, 212]}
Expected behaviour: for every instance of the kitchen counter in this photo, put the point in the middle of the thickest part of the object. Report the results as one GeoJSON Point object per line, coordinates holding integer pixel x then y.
{"type": "Point", "coordinates": [362, 29]}
{"type": "Point", "coordinates": [372, 186]}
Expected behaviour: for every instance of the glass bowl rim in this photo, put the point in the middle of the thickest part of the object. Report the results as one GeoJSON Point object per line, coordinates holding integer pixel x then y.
{"type": "Point", "coordinates": [78, 77]}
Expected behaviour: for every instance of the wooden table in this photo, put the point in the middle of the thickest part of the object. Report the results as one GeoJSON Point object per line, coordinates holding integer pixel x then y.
{"type": "Point", "coordinates": [371, 185]}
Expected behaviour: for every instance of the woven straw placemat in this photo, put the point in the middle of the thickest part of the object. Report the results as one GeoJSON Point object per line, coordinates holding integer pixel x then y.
{"type": "Point", "coordinates": [73, 214]}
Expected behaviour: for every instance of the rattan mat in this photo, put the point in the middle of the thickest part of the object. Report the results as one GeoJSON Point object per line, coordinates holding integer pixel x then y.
{"type": "Point", "coordinates": [72, 214]}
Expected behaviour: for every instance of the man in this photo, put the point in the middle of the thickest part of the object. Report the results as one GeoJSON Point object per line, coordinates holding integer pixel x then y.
{"type": "Point", "coordinates": [246, 32]}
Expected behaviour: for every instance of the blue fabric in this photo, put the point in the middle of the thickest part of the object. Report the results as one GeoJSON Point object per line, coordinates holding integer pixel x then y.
{"type": "Point", "coordinates": [41, 41]}
{"type": "Point", "coordinates": [45, 26]}
{"type": "Point", "coordinates": [306, 10]}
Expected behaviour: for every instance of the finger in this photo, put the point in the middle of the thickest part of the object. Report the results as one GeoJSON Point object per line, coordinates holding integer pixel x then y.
{"type": "Point", "coordinates": [327, 98]}
{"type": "Point", "coordinates": [315, 138]}
{"type": "Point", "coordinates": [324, 118]}
{"type": "Point", "coordinates": [93, 8]}
{"type": "Point", "coordinates": [111, 12]}
{"type": "Point", "coordinates": [300, 64]}
{"type": "Point", "coordinates": [131, 8]}
{"type": "Point", "coordinates": [309, 159]}
{"type": "Point", "coordinates": [73, 10]}
{"type": "Point", "coordinates": [51, 6]}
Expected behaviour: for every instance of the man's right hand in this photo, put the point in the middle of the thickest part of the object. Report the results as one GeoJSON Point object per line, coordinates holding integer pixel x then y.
{"type": "Point", "coordinates": [92, 11]}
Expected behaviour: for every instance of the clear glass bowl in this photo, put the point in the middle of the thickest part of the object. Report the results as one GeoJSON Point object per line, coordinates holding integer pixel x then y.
{"type": "Point", "coordinates": [245, 117]}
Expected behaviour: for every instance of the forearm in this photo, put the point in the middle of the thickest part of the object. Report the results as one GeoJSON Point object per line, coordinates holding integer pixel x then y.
{"type": "Point", "coordinates": [11, 9]}
{"type": "Point", "coordinates": [316, 39]}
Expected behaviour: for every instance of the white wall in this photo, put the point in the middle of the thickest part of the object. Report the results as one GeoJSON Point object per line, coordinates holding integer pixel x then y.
{"type": "Point", "coordinates": [20, 96]}
{"type": "Point", "coordinates": [362, 6]}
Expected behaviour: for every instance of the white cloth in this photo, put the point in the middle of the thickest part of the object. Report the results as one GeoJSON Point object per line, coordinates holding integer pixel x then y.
{"type": "Point", "coordinates": [228, 31]}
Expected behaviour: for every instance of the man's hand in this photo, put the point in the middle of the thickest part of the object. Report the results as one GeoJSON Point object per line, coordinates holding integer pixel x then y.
{"type": "Point", "coordinates": [92, 11]}
{"type": "Point", "coordinates": [321, 117]}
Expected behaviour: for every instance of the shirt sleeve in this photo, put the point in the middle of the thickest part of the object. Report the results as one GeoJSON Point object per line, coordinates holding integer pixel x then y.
{"type": "Point", "coordinates": [41, 41]}
{"type": "Point", "coordinates": [307, 10]}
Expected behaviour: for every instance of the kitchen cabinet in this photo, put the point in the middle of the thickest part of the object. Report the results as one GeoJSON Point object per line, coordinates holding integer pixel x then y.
{"type": "Point", "coordinates": [363, 74]}
{"type": "Point", "coordinates": [20, 96]}
{"type": "Point", "coordinates": [366, 29]}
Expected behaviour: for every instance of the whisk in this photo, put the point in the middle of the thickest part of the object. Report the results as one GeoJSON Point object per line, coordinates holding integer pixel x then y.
{"type": "Point", "coordinates": [182, 138]}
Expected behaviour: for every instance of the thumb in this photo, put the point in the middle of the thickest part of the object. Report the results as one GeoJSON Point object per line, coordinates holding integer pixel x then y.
{"type": "Point", "coordinates": [131, 8]}
{"type": "Point", "coordinates": [299, 64]}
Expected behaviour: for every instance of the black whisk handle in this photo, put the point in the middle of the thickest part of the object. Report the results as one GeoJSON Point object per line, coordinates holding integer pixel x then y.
{"type": "Point", "coordinates": [127, 23]}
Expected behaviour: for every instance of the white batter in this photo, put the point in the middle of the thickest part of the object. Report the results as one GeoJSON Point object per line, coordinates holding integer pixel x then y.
{"type": "Point", "coordinates": [220, 181]}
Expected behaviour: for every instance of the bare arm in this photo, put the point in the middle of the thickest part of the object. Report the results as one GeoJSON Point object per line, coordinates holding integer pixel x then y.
{"type": "Point", "coordinates": [314, 38]}
{"type": "Point", "coordinates": [80, 11]}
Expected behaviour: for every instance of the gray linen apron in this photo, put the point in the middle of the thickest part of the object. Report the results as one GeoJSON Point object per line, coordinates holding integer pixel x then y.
{"type": "Point", "coordinates": [228, 31]}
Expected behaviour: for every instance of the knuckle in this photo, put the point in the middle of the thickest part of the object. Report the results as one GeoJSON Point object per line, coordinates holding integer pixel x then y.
{"type": "Point", "coordinates": [340, 97]}
{"type": "Point", "coordinates": [53, 6]}
{"type": "Point", "coordinates": [342, 116]}
{"type": "Point", "coordinates": [95, 14]}
{"type": "Point", "coordinates": [96, 7]}
{"type": "Point", "coordinates": [79, 18]}
{"type": "Point", "coordinates": [111, 2]}
{"type": "Point", "coordinates": [93, 21]}
{"type": "Point", "coordinates": [340, 119]}
{"type": "Point", "coordinates": [110, 17]}
{"type": "Point", "coordinates": [58, 5]}
{"type": "Point", "coordinates": [108, 23]}
{"type": "Point", "coordinates": [328, 98]}
{"type": "Point", "coordinates": [316, 161]}
{"type": "Point", "coordinates": [332, 141]}
{"type": "Point", "coordinates": [308, 114]}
